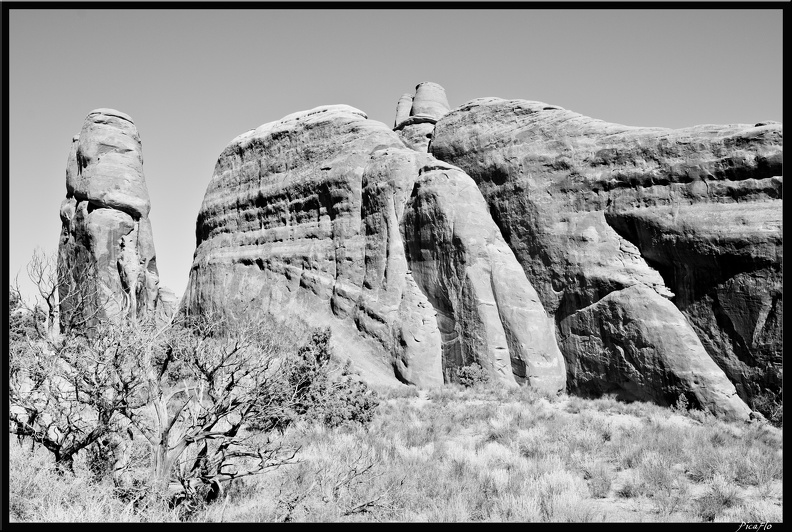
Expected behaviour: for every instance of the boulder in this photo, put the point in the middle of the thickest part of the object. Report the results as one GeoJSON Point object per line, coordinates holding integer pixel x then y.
{"type": "Point", "coordinates": [632, 343]}
{"type": "Point", "coordinates": [567, 192]}
{"type": "Point", "coordinates": [107, 169]}
{"type": "Point", "coordinates": [106, 250]}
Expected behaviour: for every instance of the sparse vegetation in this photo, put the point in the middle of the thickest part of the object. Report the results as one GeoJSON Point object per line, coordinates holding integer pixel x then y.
{"type": "Point", "coordinates": [484, 456]}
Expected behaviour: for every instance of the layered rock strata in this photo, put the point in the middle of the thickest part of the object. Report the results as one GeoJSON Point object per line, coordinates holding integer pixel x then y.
{"type": "Point", "coordinates": [606, 218]}
{"type": "Point", "coordinates": [106, 251]}
{"type": "Point", "coordinates": [416, 115]}
{"type": "Point", "coordinates": [319, 215]}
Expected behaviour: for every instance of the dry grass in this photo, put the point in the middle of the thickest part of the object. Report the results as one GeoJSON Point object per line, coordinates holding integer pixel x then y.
{"type": "Point", "coordinates": [477, 454]}
{"type": "Point", "coordinates": [37, 493]}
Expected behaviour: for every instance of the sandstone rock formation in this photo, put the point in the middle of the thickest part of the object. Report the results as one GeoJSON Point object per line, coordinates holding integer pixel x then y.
{"type": "Point", "coordinates": [487, 311]}
{"type": "Point", "coordinates": [403, 108]}
{"type": "Point", "coordinates": [606, 218]}
{"type": "Point", "coordinates": [417, 115]}
{"type": "Point", "coordinates": [322, 215]}
{"type": "Point", "coordinates": [106, 250]}
{"type": "Point", "coordinates": [724, 263]}
{"type": "Point", "coordinates": [551, 248]}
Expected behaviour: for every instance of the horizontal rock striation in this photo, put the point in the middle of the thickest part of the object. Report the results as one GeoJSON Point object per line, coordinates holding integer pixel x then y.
{"type": "Point", "coordinates": [314, 216]}
{"type": "Point", "coordinates": [106, 251]}
{"type": "Point", "coordinates": [579, 202]}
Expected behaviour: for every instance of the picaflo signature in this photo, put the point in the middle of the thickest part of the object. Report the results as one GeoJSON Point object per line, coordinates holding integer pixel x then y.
{"type": "Point", "coordinates": [754, 526]}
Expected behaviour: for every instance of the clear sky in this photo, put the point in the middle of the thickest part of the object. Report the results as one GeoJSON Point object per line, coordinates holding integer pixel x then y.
{"type": "Point", "coordinates": [194, 79]}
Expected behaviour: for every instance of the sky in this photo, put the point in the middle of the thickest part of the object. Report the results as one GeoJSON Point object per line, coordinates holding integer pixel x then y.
{"type": "Point", "coordinates": [194, 79]}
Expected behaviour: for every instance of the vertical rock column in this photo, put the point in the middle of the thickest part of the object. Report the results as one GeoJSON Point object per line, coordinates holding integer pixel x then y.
{"type": "Point", "coordinates": [106, 256]}
{"type": "Point", "coordinates": [403, 108]}
{"type": "Point", "coordinates": [416, 126]}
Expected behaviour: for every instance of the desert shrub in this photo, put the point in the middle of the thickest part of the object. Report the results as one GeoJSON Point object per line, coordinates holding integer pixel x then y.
{"type": "Point", "coordinates": [500, 428]}
{"type": "Point", "coordinates": [720, 496]}
{"type": "Point", "coordinates": [575, 405]}
{"type": "Point", "coordinates": [472, 375]}
{"type": "Point", "coordinates": [734, 460]}
{"type": "Point", "coordinates": [534, 443]}
{"type": "Point", "coordinates": [756, 511]}
{"type": "Point", "coordinates": [626, 450]}
{"type": "Point", "coordinates": [195, 390]}
{"type": "Point", "coordinates": [444, 395]}
{"type": "Point", "coordinates": [702, 416]}
{"type": "Point", "coordinates": [417, 434]}
{"type": "Point", "coordinates": [599, 477]}
{"type": "Point", "coordinates": [584, 438]}
{"type": "Point", "coordinates": [770, 405]}
{"type": "Point", "coordinates": [350, 401]}
{"type": "Point", "coordinates": [655, 473]}
{"type": "Point", "coordinates": [561, 497]}
{"type": "Point", "coordinates": [682, 404]}
{"type": "Point", "coordinates": [628, 490]}
{"type": "Point", "coordinates": [756, 466]}
{"type": "Point", "coordinates": [332, 401]}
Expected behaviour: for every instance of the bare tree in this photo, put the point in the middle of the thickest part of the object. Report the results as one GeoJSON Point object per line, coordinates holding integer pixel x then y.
{"type": "Point", "coordinates": [65, 394]}
{"type": "Point", "coordinates": [205, 383]}
{"type": "Point", "coordinates": [192, 387]}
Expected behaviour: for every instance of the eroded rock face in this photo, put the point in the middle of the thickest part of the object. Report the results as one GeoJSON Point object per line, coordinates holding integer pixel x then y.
{"type": "Point", "coordinates": [578, 201]}
{"type": "Point", "coordinates": [416, 115]}
{"type": "Point", "coordinates": [487, 311]}
{"type": "Point", "coordinates": [106, 245]}
{"type": "Point", "coordinates": [650, 256]}
{"type": "Point", "coordinates": [723, 262]}
{"type": "Point", "coordinates": [315, 215]}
